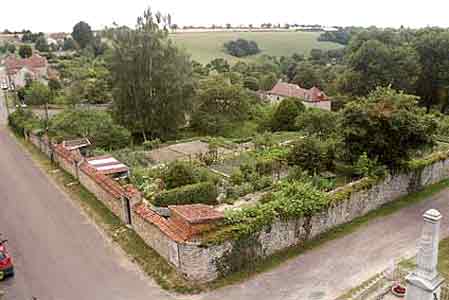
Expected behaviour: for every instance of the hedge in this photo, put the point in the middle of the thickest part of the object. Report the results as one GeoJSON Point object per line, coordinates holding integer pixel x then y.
{"type": "Point", "coordinates": [203, 192]}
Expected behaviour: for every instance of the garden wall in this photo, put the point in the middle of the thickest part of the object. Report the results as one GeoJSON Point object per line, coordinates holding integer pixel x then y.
{"type": "Point", "coordinates": [203, 263]}
{"type": "Point", "coordinates": [105, 189]}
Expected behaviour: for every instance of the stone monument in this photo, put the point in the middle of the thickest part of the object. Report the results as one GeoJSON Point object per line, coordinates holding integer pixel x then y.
{"type": "Point", "coordinates": [425, 282]}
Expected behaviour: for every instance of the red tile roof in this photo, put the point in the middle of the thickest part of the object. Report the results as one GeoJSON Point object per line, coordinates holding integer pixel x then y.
{"type": "Point", "coordinates": [165, 225]}
{"type": "Point", "coordinates": [292, 90]}
{"type": "Point", "coordinates": [14, 64]}
{"type": "Point", "coordinates": [197, 213]}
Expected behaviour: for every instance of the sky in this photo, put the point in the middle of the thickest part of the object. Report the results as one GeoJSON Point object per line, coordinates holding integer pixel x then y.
{"type": "Point", "coordinates": [61, 15]}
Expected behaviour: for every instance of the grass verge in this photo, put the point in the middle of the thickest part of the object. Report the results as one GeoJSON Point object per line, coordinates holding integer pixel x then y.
{"type": "Point", "coordinates": [166, 276]}
{"type": "Point", "coordinates": [149, 260]}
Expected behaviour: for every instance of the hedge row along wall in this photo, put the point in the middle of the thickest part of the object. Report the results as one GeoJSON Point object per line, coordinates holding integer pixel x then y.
{"type": "Point", "coordinates": [203, 262]}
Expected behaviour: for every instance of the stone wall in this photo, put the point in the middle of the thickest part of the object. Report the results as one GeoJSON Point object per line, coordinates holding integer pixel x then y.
{"type": "Point", "coordinates": [202, 263]}
{"type": "Point", "coordinates": [148, 226]}
{"type": "Point", "coordinates": [40, 142]}
{"type": "Point", "coordinates": [110, 199]}
{"type": "Point", "coordinates": [105, 189]}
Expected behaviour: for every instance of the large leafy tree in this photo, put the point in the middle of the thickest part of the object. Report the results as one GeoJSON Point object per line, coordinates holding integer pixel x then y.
{"type": "Point", "coordinates": [433, 48]}
{"type": "Point", "coordinates": [285, 114]}
{"type": "Point", "coordinates": [98, 126]}
{"type": "Point", "coordinates": [319, 122]}
{"type": "Point", "coordinates": [387, 125]}
{"type": "Point", "coordinates": [308, 75]}
{"type": "Point", "coordinates": [375, 63]}
{"type": "Point", "coordinates": [82, 34]}
{"type": "Point", "coordinates": [219, 103]}
{"type": "Point", "coordinates": [25, 51]}
{"type": "Point", "coordinates": [37, 93]}
{"type": "Point", "coordinates": [42, 45]}
{"type": "Point", "coordinates": [152, 78]}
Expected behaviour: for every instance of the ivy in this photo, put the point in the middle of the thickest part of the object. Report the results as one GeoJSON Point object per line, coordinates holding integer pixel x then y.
{"type": "Point", "coordinates": [419, 164]}
{"type": "Point", "coordinates": [345, 192]}
{"type": "Point", "coordinates": [290, 200]}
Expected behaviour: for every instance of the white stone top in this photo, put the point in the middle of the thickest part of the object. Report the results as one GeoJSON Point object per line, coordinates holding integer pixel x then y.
{"type": "Point", "coordinates": [432, 214]}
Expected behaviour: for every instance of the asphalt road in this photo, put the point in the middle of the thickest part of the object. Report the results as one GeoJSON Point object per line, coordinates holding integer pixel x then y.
{"type": "Point", "coordinates": [59, 254]}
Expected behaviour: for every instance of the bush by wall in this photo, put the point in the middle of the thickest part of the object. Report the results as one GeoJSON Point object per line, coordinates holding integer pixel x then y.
{"type": "Point", "coordinates": [292, 200]}
{"type": "Point", "coordinates": [21, 120]}
{"type": "Point", "coordinates": [204, 192]}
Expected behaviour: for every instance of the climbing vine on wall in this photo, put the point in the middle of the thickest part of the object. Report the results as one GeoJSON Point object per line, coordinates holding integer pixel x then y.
{"type": "Point", "coordinates": [291, 200]}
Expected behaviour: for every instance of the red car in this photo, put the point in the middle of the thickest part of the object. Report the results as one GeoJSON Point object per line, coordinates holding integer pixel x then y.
{"type": "Point", "coordinates": [6, 266]}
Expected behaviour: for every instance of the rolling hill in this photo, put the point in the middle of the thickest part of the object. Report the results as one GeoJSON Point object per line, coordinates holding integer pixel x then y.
{"type": "Point", "coordinates": [206, 46]}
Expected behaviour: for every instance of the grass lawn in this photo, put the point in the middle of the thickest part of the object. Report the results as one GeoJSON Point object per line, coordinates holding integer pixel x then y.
{"type": "Point", "coordinates": [206, 46]}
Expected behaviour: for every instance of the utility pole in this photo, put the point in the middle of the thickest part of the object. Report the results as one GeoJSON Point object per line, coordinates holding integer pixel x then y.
{"type": "Point", "coordinates": [50, 145]}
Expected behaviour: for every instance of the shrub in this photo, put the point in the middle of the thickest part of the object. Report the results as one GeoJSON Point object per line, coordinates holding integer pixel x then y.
{"type": "Point", "coordinates": [317, 121]}
{"type": "Point", "coordinates": [237, 191]}
{"type": "Point", "coordinates": [264, 140]}
{"type": "Point", "coordinates": [22, 120]}
{"type": "Point", "coordinates": [387, 125]}
{"type": "Point", "coordinates": [237, 177]}
{"type": "Point", "coordinates": [365, 166]}
{"type": "Point", "coordinates": [285, 114]}
{"type": "Point", "coordinates": [265, 166]}
{"type": "Point", "coordinates": [262, 183]}
{"type": "Point", "coordinates": [152, 144]}
{"type": "Point", "coordinates": [204, 192]}
{"type": "Point", "coordinates": [251, 83]}
{"type": "Point", "coordinates": [292, 200]}
{"type": "Point", "coordinates": [311, 155]}
{"type": "Point", "coordinates": [178, 173]}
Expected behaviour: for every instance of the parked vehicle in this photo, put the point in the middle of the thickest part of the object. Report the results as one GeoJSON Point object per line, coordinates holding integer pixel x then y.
{"type": "Point", "coordinates": [6, 264]}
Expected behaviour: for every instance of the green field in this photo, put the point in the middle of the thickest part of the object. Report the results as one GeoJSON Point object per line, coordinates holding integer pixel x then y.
{"type": "Point", "coordinates": [206, 46]}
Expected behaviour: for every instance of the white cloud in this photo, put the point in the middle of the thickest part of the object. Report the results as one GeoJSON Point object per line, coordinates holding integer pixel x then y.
{"type": "Point", "coordinates": [61, 15]}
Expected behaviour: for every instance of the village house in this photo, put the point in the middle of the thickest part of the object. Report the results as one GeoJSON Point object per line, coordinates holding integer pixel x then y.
{"type": "Point", "coordinates": [313, 97]}
{"type": "Point", "coordinates": [19, 70]}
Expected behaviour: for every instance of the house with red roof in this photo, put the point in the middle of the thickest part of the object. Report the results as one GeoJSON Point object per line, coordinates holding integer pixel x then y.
{"type": "Point", "coordinates": [20, 69]}
{"type": "Point", "coordinates": [313, 97]}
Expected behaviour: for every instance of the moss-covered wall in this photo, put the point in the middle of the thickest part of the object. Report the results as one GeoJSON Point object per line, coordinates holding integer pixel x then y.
{"type": "Point", "coordinates": [206, 263]}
